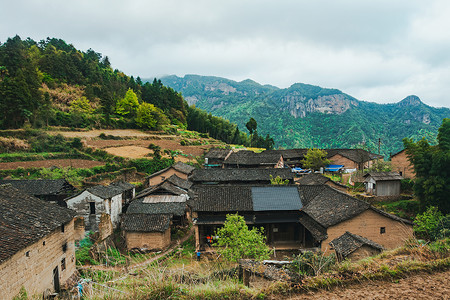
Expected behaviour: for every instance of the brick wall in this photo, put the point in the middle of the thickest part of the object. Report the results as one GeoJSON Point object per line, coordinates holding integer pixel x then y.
{"type": "Point", "coordinates": [368, 224]}
{"type": "Point", "coordinates": [341, 160]}
{"type": "Point", "coordinates": [400, 163]}
{"type": "Point", "coordinates": [362, 252]}
{"type": "Point", "coordinates": [149, 240]}
{"type": "Point", "coordinates": [33, 266]}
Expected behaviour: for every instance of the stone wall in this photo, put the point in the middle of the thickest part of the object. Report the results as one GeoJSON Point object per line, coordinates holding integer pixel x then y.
{"type": "Point", "coordinates": [401, 164]}
{"type": "Point", "coordinates": [33, 266]}
{"type": "Point", "coordinates": [148, 240]}
{"type": "Point", "coordinates": [368, 224]}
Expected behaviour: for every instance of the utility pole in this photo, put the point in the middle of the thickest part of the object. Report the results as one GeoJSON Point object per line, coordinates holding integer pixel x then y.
{"type": "Point", "coordinates": [379, 145]}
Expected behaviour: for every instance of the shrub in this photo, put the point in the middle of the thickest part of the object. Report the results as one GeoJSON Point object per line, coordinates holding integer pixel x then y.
{"type": "Point", "coordinates": [432, 224]}
{"type": "Point", "coordinates": [311, 263]}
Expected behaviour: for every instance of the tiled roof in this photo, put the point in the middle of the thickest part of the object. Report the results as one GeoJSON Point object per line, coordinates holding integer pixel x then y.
{"type": "Point", "coordinates": [179, 166]}
{"type": "Point", "coordinates": [162, 188]}
{"type": "Point", "coordinates": [25, 219]}
{"type": "Point", "coordinates": [247, 157]}
{"type": "Point", "coordinates": [138, 206]}
{"type": "Point", "coordinates": [242, 175]}
{"type": "Point", "coordinates": [122, 185]}
{"type": "Point", "coordinates": [318, 231]}
{"type": "Point", "coordinates": [179, 182]}
{"type": "Point", "coordinates": [146, 222]}
{"type": "Point", "coordinates": [349, 242]}
{"type": "Point", "coordinates": [383, 176]}
{"type": "Point", "coordinates": [105, 192]}
{"type": "Point", "coordinates": [330, 206]}
{"type": "Point", "coordinates": [220, 198]}
{"type": "Point", "coordinates": [40, 187]}
{"type": "Point", "coordinates": [289, 154]}
{"type": "Point", "coordinates": [217, 153]}
{"type": "Point", "coordinates": [313, 179]}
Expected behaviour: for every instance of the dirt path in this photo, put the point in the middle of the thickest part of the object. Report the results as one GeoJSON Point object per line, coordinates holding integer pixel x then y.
{"type": "Point", "coordinates": [421, 286]}
{"type": "Point", "coordinates": [75, 163]}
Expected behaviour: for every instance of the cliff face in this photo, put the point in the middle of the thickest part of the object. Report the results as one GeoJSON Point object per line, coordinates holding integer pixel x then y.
{"type": "Point", "coordinates": [299, 106]}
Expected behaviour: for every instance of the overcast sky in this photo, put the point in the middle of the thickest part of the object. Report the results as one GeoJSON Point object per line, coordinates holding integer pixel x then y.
{"type": "Point", "coordinates": [379, 51]}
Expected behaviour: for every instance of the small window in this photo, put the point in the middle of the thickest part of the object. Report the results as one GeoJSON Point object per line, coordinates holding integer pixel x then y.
{"type": "Point", "coordinates": [92, 207]}
{"type": "Point", "coordinates": [64, 247]}
{"type": "Point", "coordinates": [382, 230]}
{"type": "Point", "coordinates": [27, 254]}
{"type": "Point", "coordinates": [401, 173]}
{"type": "Point", "coordinates": [43, 243]}
{"type": "Point", "coordinates": [62, 228]}
{"type": "Point", "coordinates": [63, 264]}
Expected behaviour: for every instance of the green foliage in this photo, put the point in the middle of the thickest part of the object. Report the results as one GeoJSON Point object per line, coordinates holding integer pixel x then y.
{"type": "Point", "coordinates": [236, 241]}
{"type": "Point", "coordinates": [150, 117]}
{"type": "Point", "coordinates": [127, 105]}
{"type": "Point", "coordinates": [251, 125]}
{"type": "Point", "coordinates": [278, 180]}
{"type": "Point", "coordinates": [432, 224]}
{"type": "Point", "coordinates": [315, 159]}
{"type": "Point", "coordinates": [151, 166]}
{"type": "Point", "coordinates": [69, 174]}
{"type": "Point", "coordinates": [82, 252]}
{"type": "Point", "coordinates": [432, 169]}
{"type": "Point", "coordinates": [380, 166]}
{"type": "Point", "coordinates": [22, 295]}
{"type": "Point", "coordinates": [81, 105]}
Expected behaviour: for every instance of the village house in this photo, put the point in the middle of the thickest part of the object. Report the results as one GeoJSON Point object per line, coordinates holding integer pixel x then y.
{"type": "Point", "coordinates": [250, 159]}
{"type": "Point", "coordinates": [401, 164]}
{"type": "Point", "coordinates": [383, 183]}
{"type": "Point", "coordinates": [354, 247]}
{"type": "Point", "coordinates": [240, 176]}
{"type": "Point", "coordinates": [100, 200]}
{"type": "Point", "coordinates": [331, 213]}
{"type": "Point", "coordinates": [215, 157]}
{"type": "Point", "coordinates": [37, 250]}
{"type": "Point", "coordinates": [182, 170]}
{"type": "Point", "coordinates": [155, 211]}
{"type": "Point", "coordinates": [51, 190]}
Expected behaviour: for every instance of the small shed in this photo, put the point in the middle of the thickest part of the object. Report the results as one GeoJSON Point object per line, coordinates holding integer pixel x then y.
{"type": "Point", "coordinates": [146, 232]}
{"type": "Point", "coordinates": [383, 183]}
{"type": "Point", "coordinates": [354, 247]}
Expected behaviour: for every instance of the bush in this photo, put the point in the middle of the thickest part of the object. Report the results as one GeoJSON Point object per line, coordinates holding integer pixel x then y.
{"type": "Point", "coordinates": [432, 225]}
{"type": "Point", "coordinates": [311, 263]}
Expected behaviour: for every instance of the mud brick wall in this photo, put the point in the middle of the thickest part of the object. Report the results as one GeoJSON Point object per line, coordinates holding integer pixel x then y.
{"type": "Point", "coordinates": [149, 240]}
{"type": "Point", "coordinates": [368, 225]}
{"type": "Point", "coordinates": [163, 176]}
{"type": "Point", "coordinates": [33, 266]}
{"type": "Point", "coordinates": [400, 163]}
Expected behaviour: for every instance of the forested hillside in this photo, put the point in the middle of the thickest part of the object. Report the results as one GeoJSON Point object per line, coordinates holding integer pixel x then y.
{"type": "Point", "coordinates": [51, 83]}
{"type": "Point", "coordinates": [303, 116]}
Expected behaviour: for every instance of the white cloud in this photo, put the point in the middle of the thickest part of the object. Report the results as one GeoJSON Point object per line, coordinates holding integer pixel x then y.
{"type": "Point", "coordinates": [374, 50]}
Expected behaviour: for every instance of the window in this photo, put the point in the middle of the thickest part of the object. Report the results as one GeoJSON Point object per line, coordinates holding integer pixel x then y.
{"type": "Point", "coordinates": [62, 228]}
{"type": "Point", "coordinates": [43, 243]}
{"type": "Point", "coordinates": [27, 254]}
{"type": "Point", "coordinates": [382, 230]}
{"type": "Point", "coordinates": [92, 207]}
{"type": "Point", "coordinates": [63, 264]}
{"type": "Point", "coordinates": [64, 247]}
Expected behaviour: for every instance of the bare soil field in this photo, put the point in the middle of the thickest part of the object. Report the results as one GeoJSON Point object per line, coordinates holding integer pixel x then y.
{"type": "Point", "coordinates": [97, 132]}
{"type": "Point", "coordinates": [422, 286]}
{"type": "Point", "coordinates": [75, 163]}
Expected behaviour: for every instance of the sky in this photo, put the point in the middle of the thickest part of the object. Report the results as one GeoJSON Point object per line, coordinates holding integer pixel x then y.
{"type": "Point", "coordinates": [379, 51]}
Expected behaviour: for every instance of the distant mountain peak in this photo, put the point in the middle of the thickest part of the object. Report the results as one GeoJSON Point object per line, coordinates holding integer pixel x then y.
{"type": "Point", "coordinates": [411, 100]}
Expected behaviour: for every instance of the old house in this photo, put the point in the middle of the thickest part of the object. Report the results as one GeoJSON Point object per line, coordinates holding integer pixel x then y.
{"type": "Point", "coordinates": [182, 170]}
{"type": "Point", "coordinates": [250, 159]}
{"type": "Point", "coordinates": [318, 179]}
{"type": "Point", "coordinates": [332, 213]}
{"type": "Point", "coordinates": [354, 247]}
{"type": "Point", "coordinates": [215, 157]}
{"type": "Point", "coordinates": [401, 164]}
{"type": "Point", "coordinates": [275, 208]}
{"type": "Point", "coordinates": [240, 176]}
{"type": "Point", "coordinates": [37, 248]}
{"type": "Point", "coordinates": [383, 183]}
{"type": "Point", "coordinates": [97, 200]}
{"type": "Point", "coordinates": [51, 190]}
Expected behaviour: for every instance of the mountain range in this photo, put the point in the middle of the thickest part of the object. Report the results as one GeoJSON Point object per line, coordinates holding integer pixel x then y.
{"type": "Point", "coordinates": [305, 116]}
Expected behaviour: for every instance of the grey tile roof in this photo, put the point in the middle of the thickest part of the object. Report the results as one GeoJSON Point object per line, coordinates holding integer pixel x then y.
{"type": "Point", "coordinates": [25, 219]}
{"type": "Point", "coordinates": [318, 231]}
{"type": "Point", "coordinates": [330, 206]}
{"type": "Point", "coordinates": [183, 168]}
{"type": "Point", "coordinates": [122, 185]}
{"type": "Point", "coordinates": [270, 198]}
{"type": "Point", "coordinates": [222, 198]}
{"type": "Point", "coordinates": [105, 192]}
{"type": "Point", "coordinates": [179, 182]}
{"type": "Point", "coordinates": [247, 157]}
{"type": "Point", "coordinates": [383, 176]}
{"type": "Point", "coordinates": [138, 206]}
{"type": "Point", "coordinates": [239, 175]}
{"type": "Point", "coordinates": [217, 153]}
{"type": "Point", "coordinates": [349, 242]}
{"type": "Point", "coordinates": [146, 222]}
{"type": "Point", "coordinates": [313, 179]}
{"type": "Point", "coordinates": [41, 187]}
{"type": "Point", "coordinates": [162, 188]}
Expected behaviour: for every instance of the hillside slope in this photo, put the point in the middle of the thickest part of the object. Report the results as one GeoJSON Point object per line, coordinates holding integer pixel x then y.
{"type": "Point", "coordinates": [310, 116]}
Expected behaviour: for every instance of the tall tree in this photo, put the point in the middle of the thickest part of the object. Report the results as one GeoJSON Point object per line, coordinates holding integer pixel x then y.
{"type": "Point", "coordinates": [315, 159]}
{"type": "Point", "coordinates": [432, 169]}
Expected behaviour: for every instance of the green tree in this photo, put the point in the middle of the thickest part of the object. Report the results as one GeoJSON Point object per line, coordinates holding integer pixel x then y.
{"type": "Point", "coordinates": [128, 105]}
{"type": "Point", "coordinates": [236, 241]}
{"type": "Point", "coordinates": [315, 159]}
{"type": "Point", "coordinates": [432, 224]}
{"type": "Point", "coordinates": [432, 169]}
{"type": "Point", "coordinates": [278, 180]}
{"type": "Point", "coordinates": [81, 105]}
{"type": "Point", "coordinates": [149, 116]}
